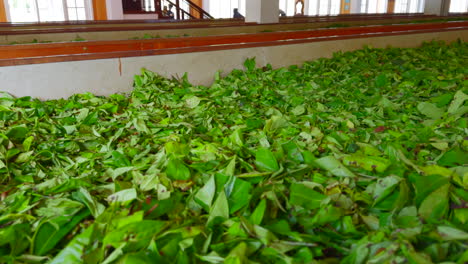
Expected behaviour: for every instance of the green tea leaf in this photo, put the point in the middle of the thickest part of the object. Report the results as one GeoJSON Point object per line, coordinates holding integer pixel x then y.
{"type": "Point", "coordinates": [239, 195]}
{"type": "Point", "coordinates": [51, 232]}
{"type": "Point", "coordinates": [137, 235]}
{"type": "Point", "coordinates": [177, 170]}
{"type": "Point", "coordinates": [17, 133]}
{"type": "Point", "coordinates": [265, 160]}
{"type": "Point", "coordinates": [382, 188]}
{"type": "Point", "coordinates": [368, 163]}
{"type": "Point", "coordinates": [205, 195]}
{"type": "Point", "coordinates": [304, 196]}
{"type": "Point", "coordinates": [435, 205]}
{"type": "Point", "coordinates": [334, 166]}
{"type": "Point", "coordinates": [450, 233]}
{"type": "Point", "coordinates": [457, 102]}
{"type": "Point", "coordinates": [357, 158]}
{"type": "Point", "coordinates": [124, 196]}
{"type": "Point", "coordinates": [257, 216]}
{"type": "Point", "coordinates": [219, 211]}
{"type": "Point", "coordinates": [430, 110]}
{"type": "Point", "coordinates": [73, 252]}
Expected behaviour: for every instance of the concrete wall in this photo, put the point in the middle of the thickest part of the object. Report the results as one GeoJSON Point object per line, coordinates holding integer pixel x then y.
{"type": "Point", "coordinates": [103, 77]}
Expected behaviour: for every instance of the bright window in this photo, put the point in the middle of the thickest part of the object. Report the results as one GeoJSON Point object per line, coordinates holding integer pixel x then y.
{"type": "Point", "coordinates": [363, 8]}
{"type": "Point", "coordinates": [23, 11]}
{"type": "Point", "coordinates": [51, 10]}
{"type": "Point", "coordinates": [148, 5]}
{"type": "Point", "coordinates": [324, 7]}
{"type": "Point", "coordinates": [409, 6]}
{"type": "Point", "coordinates": [313, 8]}
{"type": "Point", "coordinates": [217, 10]}
{"type": "Point", "coordinates": [335, 7]}
{"type": "Point", "coordinates": [373, 6]}
{"type": "Point", "coordinates": [458, 6]}
{"type": "Point", "coordinates": [287, 6]}
{"type": "Point", "coordinates": [48, 10]}
{"type": "Point", "coordinates": [224, 8]}
{"type": "Point", "coordinates": [76, 10]}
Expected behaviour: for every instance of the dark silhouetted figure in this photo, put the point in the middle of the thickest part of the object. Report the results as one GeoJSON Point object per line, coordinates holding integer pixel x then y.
{"type": "Point", "coordinates": [169, 12]}
{"type": "Point", "coordinates": [237, 14]}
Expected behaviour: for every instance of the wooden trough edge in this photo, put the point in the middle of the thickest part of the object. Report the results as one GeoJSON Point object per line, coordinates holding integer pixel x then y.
{"type": "Point", "coordinates": [37, 53]}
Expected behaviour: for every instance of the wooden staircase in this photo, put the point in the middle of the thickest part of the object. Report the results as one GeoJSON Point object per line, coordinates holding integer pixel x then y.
{"type": "Point", "coordinates": [184, 9]}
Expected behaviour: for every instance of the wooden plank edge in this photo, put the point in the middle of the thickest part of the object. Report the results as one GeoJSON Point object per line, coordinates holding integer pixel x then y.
{"type": "Point", "coordinates": [154, 52]}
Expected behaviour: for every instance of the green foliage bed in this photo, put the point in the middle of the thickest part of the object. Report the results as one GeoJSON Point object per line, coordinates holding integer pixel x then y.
{"type": "Point", "coordinates": [360, 158]}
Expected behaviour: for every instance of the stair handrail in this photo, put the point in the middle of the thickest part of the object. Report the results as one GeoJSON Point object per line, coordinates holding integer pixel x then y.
{"type": "Point", "coordinates": [191, 4]}
{"type": "Point", "coordinates": [199, 9]}
{"type": "Point", "coordinates": [178, 9]}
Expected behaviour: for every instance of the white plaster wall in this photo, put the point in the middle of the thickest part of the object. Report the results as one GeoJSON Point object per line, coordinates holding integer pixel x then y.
{"type": "Point", "coordinates": [206, 5]}
{"type": "Point", "coordinates": [253, 11]}
{"type": "Point", "coordinates": [356, 6]}
{"type": "Point", "coordinates": [270, 11]}
{"type": "Point", "coordinates": [103, 77]}
{"type": "Point", "coordinates": [306, 7]}
{"type": "Point", "coordinates": [262, 11]}
{"type": "Point", "coordinates": [114, 9]}
{"type": "Point", "coordinates": [436, 7]}
{"type": "Point", "coordinates": [7, 10]}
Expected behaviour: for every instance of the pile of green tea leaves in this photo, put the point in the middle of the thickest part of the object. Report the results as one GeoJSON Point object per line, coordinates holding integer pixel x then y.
{"type": "Point", "coordinates": [361, 158]}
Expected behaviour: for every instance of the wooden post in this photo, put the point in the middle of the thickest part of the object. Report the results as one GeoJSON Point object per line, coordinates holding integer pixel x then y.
{"type": "Point", "coordinates": [195, 12]}
{"type": "Point", "coordinates": [178, 9]}
{"type": "Point", "coordinates": [345, 7]}
{"type": "Point", "coordinates": [157, 7]}
{"type": "Point", "coordinates": [99, 9]}
{"type": "Point", "coordinates": [3, 17]}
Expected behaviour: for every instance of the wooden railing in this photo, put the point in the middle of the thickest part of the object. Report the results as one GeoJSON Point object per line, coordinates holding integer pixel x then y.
{"type": "Point", "coordinates": [89, 50]}
{"type": "Point", "coordinates": [202, 13]}
{"type": "Point", "coordinates": [116, 25]}
{"type": "Point", "coordinates": [301, 19]}
{"type": "Point", "coordinates": [181, 14]}
{"type": "Point", "coordinates": [194, 12]}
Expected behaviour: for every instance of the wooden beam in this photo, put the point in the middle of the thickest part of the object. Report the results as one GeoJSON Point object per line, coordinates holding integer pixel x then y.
{"type": "Point", "coordinates": [99, 9]}
{"type": "Point", "coordinates": [391, 7]}
{"type": "Point", "coordinates": [3, 17]}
